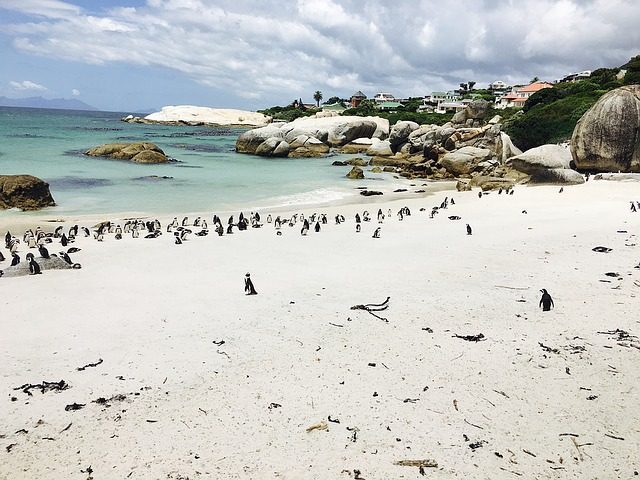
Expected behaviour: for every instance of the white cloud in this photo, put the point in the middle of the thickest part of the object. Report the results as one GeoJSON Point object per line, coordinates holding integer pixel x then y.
{"type": "Point", "coordinates": [27, 85]}
{"type": "Point", "coordinates": [272, 49]}
{"type": "Point", "coordinates": [75, 92]}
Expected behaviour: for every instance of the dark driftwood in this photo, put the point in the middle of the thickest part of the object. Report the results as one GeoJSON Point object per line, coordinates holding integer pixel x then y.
{"type": "Point", "coordinates": [43, 387]}
{"type": "Point", "coordinates": [95, 364]}
{"type": "Point", "coordinates": [472, 338]}
{"type": "Point", "coordinates": [374, 307]}
{"type": "Point", "coordinates": [417, 463]}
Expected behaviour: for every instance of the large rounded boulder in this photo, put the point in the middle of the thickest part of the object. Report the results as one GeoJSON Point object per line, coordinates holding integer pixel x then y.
{"type": "Point", "coordinates": [465, 160]}
{"type": "Point", "coordinates": [25, 192]}
{"type": "Point", "coordinates": [606, 138]}
{"type": "Point", "coordinates": [400, 133]}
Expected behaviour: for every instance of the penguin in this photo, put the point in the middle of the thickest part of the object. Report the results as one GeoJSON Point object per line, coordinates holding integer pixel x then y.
{"type": "Point", "coordinates": [185, 220]}
{"type": "Point", "coordinates": [324, 218]}
{"type": "Point", "coordinates": [511, 192]}
{"type": "Point", "coordinates": [479, 194]}
{"type": "Point", "coordinates": [453, 202]}
{"type": "Point", "coordinates": [34, 268]}
{"type": "Point", "coordinates": [248, 285]}
{"type": "Point", "coordinates": [7, 239]}
{"type": "Point", "coordinates": [380, 216]}
{"type": "Point", "coordinates": [196, 222]}
{"type": "Point", "coordinates": [500, 191]}
{"type": "Point", "coordinates": [63, 240]}
{"type": "Point", "coordinates": [15, 259]}
{"type": "Point", "coordinates": [66, 257]}
{"type": "Point", "coordinates": [358, 228]}
{"type": "Point", "coordinates": [269, 218]}
{"type": "Point", "coordinates": [389, 213]}
{"type": "Point", "coordinates": [86, 231]}
{"type": "Point", "coordinates": [469, 232]}
{"type": "Point", "coordinates": [317, 227]}
{"type": "Point", "coordinates": [178, 239]}
{"type": "Point", "coordinates": [633, 207]}
{"type": "Point", "coordinates": [305, 228]}
{"type": "Point", "coordinates": [44, 253]}
{"type": "Point", "coordinates": [56, 232]}
{"type": "Point", "coordinates": [546, 302]}
{"type": "Point", "coordinates": [31, 242]}
{"type": "Point", "coordinates": [561, 190]}
{"type": "Point", "coordinates": [1, 257]}
{"type": "Point", "coordinates": [257, 217]}
{"type": "Point", "coordinates": [357, 218]}
{"type": "Point", "coordinates": [219, 230]}
{"type": "Point", "coordinates": [73, 231]}
{"type": "Point", "coordinates": [230, 229]}
{"type": "Point", "coordinates": [376, 233]}
{"type": "Point", "coordinates": [73, 250]}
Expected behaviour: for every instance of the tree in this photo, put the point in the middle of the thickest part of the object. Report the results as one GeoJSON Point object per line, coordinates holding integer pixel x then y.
{"type": "Point", "coordinates": [317, 96]}
{"type": "Point", "coordinates": [535, 79]}
{"type": "Point", "coordinates": [471, 85]}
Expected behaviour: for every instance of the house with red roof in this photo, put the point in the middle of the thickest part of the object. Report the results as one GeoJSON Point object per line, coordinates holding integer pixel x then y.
{"type": "Point", "coordinates": [519, 95]}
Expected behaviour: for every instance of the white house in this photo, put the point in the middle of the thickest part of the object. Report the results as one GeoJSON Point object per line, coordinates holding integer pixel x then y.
{"type": "Point", "coordinates": [497, 85]}
{"type": "Point", "coordinates": [383, 97]}
{"type": "Point", "coordinates": [437, 97]}
{"type": "Point", "coordinates": [519, 95]}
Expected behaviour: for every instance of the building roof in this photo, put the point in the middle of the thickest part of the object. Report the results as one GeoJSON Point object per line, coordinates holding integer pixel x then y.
{"type": "Point", "coordinates": [534, 87]}
{"type": "Point", "coordinates": [359, 94]}
{"type": "Point", "coordinates": [389, 105]}
{"type": "Point", "coordinates": [509, 96]}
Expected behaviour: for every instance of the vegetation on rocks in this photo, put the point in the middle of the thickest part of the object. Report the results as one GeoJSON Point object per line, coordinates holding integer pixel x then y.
{"type": "Point", "coordinates": [550, 115]}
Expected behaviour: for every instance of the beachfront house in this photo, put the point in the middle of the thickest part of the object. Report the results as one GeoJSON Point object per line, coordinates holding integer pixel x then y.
{"type": "Point", "coordinates": [518, 96]}
{"type": "Point", "coordinates": [450, 107]}
{"type": "Point", "coordinates": [357, 98]}
{"type": "Point", "coordinates": [497, 85]}
{"type": "Point", "coordinates": [437, 97]}
{"type": "Point", "coordinates": [388, 106]}
{"type": "Point", "coordinates": [576, 77]}
{"type": "Point", "coordinates": [383, 97]}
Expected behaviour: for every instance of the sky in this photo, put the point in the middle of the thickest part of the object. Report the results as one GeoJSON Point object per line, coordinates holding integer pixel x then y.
{"type": "Point", "coordinates": [130, 55]}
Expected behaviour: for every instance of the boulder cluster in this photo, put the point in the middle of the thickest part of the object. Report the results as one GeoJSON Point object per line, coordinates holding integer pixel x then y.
{"type": "Point", "coordinates": [141, 152]}
{"type": "Point", "coordinates": [470, 148]}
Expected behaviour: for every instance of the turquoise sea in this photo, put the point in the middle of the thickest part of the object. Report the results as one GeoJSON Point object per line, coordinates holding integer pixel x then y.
{"type": "Point", "coordinates": [209, 176]}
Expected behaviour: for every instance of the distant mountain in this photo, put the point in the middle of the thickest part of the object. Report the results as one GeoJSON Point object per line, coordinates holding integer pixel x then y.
{"type": "Point", "coordinates": [40, 102]}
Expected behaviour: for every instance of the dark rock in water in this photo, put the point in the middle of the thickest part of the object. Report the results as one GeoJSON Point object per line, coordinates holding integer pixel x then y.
{"type": "Point", "coordinates": [141, 152]}
{"type": "Point", "coordinates": [356, 173]}
{"type": "Point", "coordinates": [25, 192]}
{"type": "Point", "coordinates": [369, 193]}
{"type": "Point", "coordinates": [64, 183]}
{"type": "Point", "coordinates": [398, 190]}
{"type": "Point", "coordinates": [338, 163]}
{"type": "Point", "coordinates": [153, 178]}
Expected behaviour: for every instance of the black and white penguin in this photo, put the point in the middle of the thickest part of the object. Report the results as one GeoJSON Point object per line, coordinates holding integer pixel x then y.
{"type": "Point", "coordinates": [86, 232]}
{"type": "Point", "coordinates": [56, 232]}
{"type": "Point", "coordinates": [63, 240]}
{"type": "Point", "coordinates": [317, 227]}
{"type": "Point", "coordinates": [376, 233]}
{"type": "Point", "coordinates": [230, 229]}
{"type": "Point", "coordinates": [2, 259]}
{"type": "Point", "coordinates": [34, 268]}
{"type": "Point", "coordinates": [65, 257]}
{"type": "Point", "coordinates": [305, 228]}
{"type": "Point", "coordinates": [469, 232]}
{"type": "Point", "coordinates": [358, 227]}
{"type": "Point", "coordinates": [546, 302]}
{"type": "Point", "coordinates": [269, 218]}
{"type": "Point", "coordinates": [44, 253]}
{"type": "Point", "coordinates": [480, 194]}
{"type": "Point", "coordinates": [380, 216]}
{"type": "Point", "coordinates": [15, 259]}
{"type": "Point", "coordinates": [185, 221]}
{"type": "Point", "coordinates": [248, 285]}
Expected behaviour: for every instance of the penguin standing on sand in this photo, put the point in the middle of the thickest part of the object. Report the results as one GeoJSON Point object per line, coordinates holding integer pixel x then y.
{"type": "Point", "coordinates": [317, 227]}
{"type": "Point", "coordinates": [469, 232]}
{"type": "Point", "coordinates": [1, 257]}
{"type": "Point", "coordinates": [305, 228]}
{"type": "Point", "coordinates": [249, 289]}
{"type": "Point", "coordinates": [44, 253]}
{"type": "Point", "coordinates": [15, 259]}
{"type": "Point", "coordinates": [546, 302]}
{"type": "Point", "coordinates": [380, 216]}
{"type": "Point", "coordinates": [34, 268]}
{"type": "Point", "coordinates": [376, 233]}
{"type": "Point", "coordinates": [633, 207]}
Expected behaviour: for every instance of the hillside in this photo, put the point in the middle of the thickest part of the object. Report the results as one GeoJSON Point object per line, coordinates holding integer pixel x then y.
{"type": "Point", "coordinates": [40, 102]}
{"type": "Point", "coordinates": [550, 115]}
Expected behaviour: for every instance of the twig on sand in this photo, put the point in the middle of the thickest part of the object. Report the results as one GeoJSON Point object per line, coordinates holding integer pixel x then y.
{"type": "Point", "coordinates": [613, 436]}
{"type": "Point", "coordinates": [511, 471]}
{"type": "Point", "coordinates": [511, 288]}
{"type": "Point", "coordinates": [473, 424]}
{"type": "Point", "coordinates": [471, 338]}
{"type": "Point", "coordinates": [528, 452]}
{"type": "Point", "coordinates": [43, 387]}
{"type": "Point", "coordinates": [577, 448]}
{"type": "Point", "coordinates": [336, 325]}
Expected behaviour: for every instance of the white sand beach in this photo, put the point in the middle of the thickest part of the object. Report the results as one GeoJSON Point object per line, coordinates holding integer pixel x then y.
{"type": "Point", "coordinates": [216, 384]}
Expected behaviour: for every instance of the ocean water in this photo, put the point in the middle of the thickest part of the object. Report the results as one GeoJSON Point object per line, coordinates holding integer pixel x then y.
{"type": "Point", "coordinates": [209, 176]}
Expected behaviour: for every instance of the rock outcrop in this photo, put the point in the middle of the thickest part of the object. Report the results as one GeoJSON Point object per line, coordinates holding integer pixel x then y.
{"type": "Point", "coordinates": [547, 164]}
{"type": "Point", "coordinates": [465, 160]}
{"type": "Point", "coordinates": [141, 152]}
{"type": "Point", "coordinates": [355, 173]}
{"type": "Point", "coordinates": [330, 131]}
{"type": "Point", "coordinates": [196, 116]}
{"type": "Point", "coordinates": [606, 138]}
{"type": "Point", "coordinates": [25, 192]}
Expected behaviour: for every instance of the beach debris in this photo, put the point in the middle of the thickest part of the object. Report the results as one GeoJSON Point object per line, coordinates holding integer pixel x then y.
{"type": "Point", "coordinates": [336, 325]}
{"type": "Point", "coordinates": [427, 329]}
{"type": "Point", "coordinates": [318, 426]}
{"type": "Point", "coordinates": [273, 405]}
{"type": "Point", "coordinates": [219, 342]}
{"type": "Point", "coordinates": [369, 193]}
{"type": "Point", "coordinates": [592, 397]}
{"type": "Point", "coordinates": [601, 249]}
{"type": "Point", "coordinates": [333, 420]}
{"type": "Point", "coordinates": [548, 349]}
{"type": "Point", "coordinates": [10, 447]}
{"type": "Point", "coordinates": [354, 433]}
{"type": "Point", "coordinates": [95, 364]}
{"type": "Point", "coordinates": [427, 463]}
{"type": "Point", "coordinates": [374, 307]}
{"type": "Point", "coordinates": [471, 338]}
{"type": "Point", "coordinates": [613, 436]}
{"type": "Point", "coordinates": [66, 428]}
{"type": "Point", "coordinates": [74, 406]}
{"type": "Point", "coordinates": [454, 217]}
{"type": "Point", "coordinates": [120, 397]}
{"type": "Point", "coordinates": [43, 387]}
{"type": "Point", "coordinates": [475, 445]}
